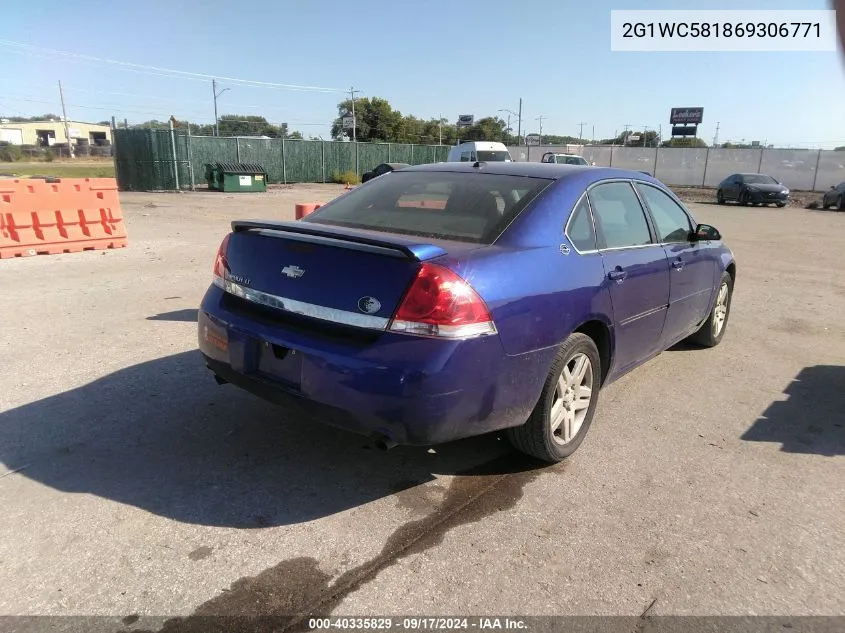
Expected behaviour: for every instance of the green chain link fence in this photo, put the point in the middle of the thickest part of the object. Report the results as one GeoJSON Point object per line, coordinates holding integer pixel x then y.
{"type": "Point", "coordinates": [161, 160]}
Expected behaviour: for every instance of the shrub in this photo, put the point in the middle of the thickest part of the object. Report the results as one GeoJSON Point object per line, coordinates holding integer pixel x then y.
{"type": "Point", "coordinates": [9, 153]}
{"type": "Point", "coordinates": [348, 177]}
{"type": "Point", "coordinates": [49, 155]}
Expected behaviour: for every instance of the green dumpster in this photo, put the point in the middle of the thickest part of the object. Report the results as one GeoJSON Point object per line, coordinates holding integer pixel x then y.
{"type": "Point", "coordinates": [231, 177]}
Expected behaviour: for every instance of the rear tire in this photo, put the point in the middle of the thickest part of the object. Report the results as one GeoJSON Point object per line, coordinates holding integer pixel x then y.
{"type": "Point", "coordinates": [565, 410]}
{"type": "Point", "coordinates": [743, 199]}
{"type": "Point", "coordinates": [710, 334]}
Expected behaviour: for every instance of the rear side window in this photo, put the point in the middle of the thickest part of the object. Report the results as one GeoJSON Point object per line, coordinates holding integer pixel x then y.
{"type": "Point", "coordinates": [619, 215]}
{"type": "Point", "coordinates": [469, 207]}
{"type": "Point", "coordinates": [580, 228]}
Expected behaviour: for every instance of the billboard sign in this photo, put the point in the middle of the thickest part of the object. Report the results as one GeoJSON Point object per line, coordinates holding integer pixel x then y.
{"type": "Point", "coordinates": [348, 122]}
{"type": "Point", "coordinates": [465, 120]}
{"type": "Point", "coordinates": [686, 116]}
{"type": "Point", "coordinates": [683, 130]}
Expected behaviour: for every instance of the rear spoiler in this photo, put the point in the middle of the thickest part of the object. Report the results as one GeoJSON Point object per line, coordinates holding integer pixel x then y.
{"type": "Point", "coordinates": [343, 238]}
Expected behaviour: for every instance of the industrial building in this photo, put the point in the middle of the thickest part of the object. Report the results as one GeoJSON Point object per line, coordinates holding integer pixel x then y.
{"type": "Point", "coordinates": [52, 132]}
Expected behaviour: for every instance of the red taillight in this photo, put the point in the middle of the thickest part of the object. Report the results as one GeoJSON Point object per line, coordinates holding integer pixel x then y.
{"type": "Point", "coordinates": [440, 303]}
{"type": "Point", "coordinates": [221, 266]}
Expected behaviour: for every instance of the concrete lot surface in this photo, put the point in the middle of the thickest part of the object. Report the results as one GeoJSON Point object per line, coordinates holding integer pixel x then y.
{"type": "Point", "coordinates": [131, 484]}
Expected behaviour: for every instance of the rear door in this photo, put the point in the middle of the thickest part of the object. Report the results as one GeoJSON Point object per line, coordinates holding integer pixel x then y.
{"type": "Point", "coordinates": [636, 268]}
{"type": "Point", "coordinates": [692, 264]}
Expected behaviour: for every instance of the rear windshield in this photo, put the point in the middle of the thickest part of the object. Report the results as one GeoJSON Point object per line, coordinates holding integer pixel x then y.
{"type": "Point", "coordinates": [493, 156]}
{"type": "Point", "coordinates": [572, 160]}
{"type": "Point", "coordinates": [466, 207]}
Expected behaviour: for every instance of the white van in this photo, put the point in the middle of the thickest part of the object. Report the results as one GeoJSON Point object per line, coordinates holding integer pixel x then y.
{"type": "Point", "coordinates": [473, 151]}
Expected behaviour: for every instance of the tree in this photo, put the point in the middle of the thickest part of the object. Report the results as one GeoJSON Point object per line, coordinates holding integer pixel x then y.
{"type": "Point", "coordinates": [485, 129]}
{"type": "Point", "coordinates": [841, 148]}
{"type": "Point", "coordinates": [551, 139]}
{"type": "Point", "coordinates": [25, 119]}
{"type": "Point", "coordinates": [375, 120]}
{"type": "Point", "coordinates": [230, 125]}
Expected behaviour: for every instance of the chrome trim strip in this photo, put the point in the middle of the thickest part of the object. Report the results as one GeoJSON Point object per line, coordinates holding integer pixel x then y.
{"type": "Point", "coordinates": [626, 248]}
{"type": "Point", "coordinates": [323, 313]}
{"type": "Point", "coordinates": [642, 315]}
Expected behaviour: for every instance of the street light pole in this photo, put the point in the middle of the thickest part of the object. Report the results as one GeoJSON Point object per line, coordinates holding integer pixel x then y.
{"type": "Point", "coordinates": [216, 94]}
{"type": "Point", "coordinates": [352, 92]}
{"type": "Point", "coordinates": [540, 119]}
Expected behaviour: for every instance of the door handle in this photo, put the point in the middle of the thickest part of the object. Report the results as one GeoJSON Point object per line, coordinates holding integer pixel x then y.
{"type": "Point", "coordinates": [617, 275]}
{"type": "Point", "coordinates": [678, 264]}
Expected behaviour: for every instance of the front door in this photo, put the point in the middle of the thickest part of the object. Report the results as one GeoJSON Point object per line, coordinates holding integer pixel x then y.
{"type": "Point", "coordinates": [636, 272]}
{"type": "Point", "coordinates": [692, 267]}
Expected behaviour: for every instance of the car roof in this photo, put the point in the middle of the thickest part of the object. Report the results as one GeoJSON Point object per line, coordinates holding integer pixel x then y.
{"type": "Point", "coordinates": [551, 171]}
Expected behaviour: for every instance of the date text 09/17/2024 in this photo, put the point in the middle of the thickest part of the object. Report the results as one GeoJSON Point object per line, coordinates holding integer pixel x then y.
{"type": "Point", "coordinates": [418, 624]}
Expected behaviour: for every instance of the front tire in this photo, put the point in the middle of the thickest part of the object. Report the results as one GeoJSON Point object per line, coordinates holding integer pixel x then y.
{"type": "Point", "coordinates": [720, 197]}
{"type": "Point", "coordinates": [780, 205]}
{"type": "Point", "coordinates": [840, 206]}
{"type": "Point", "coordinates": [565, 410]}
{"type": "Point", "coordinates": [743, 199]}
{"type": "Point", "coordinates": [710, 334]}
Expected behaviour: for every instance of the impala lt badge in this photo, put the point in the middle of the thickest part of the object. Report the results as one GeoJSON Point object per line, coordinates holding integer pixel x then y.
{"type": "Point", "coordinates": [369, 305]}
{"type": "Point", "coordinates": [294, 272]}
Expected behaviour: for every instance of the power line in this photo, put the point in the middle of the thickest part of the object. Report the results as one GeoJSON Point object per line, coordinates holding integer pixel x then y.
{"type": "Point", "coordinates": [21, 47]}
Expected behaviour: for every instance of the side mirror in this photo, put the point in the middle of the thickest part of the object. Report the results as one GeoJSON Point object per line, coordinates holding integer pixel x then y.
{"type": "Point", "coordinates": [705, 233]}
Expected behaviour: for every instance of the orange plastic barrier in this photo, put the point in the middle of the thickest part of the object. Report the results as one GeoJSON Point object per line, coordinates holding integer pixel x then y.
{"type": "Point", "coordinates": [71, 215]}
{"type": "Point", "coordinates": [306, 209]}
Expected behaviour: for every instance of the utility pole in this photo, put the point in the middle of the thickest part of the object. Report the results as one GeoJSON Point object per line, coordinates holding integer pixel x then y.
{"type": "Point", "coordinates": [352, 92]}
{"type": "Point", "coordinates": [625, 137]}
{"type": "Point", "coordinates": [593, 139]}
{"type": "Point", "coordinates": [440, 128]}
{"type": "Point", "coordinates": [519, 123]}
{"type": "Point", "coordinates": [716, 135]}
{"type": "Point", "coordinates": [540, 119]}
{"type": "Point", "coordinates": [216, 94]}
{"type": "Point", "coordinates": [659, 134]}
{"type": "Point", "coordinates": [645, 135]}
{"type": "Point", "coordinates": [581, 131]}
{"type": "Point", "coordinates": [64, 116]}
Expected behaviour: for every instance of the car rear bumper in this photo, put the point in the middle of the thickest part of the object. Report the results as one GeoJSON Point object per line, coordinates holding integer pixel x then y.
{"type": "Point", "coordinates": [408, 389]}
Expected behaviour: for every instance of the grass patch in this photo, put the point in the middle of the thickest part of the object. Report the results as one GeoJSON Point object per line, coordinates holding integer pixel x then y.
{"type": "Point", "coordinates": [346, 178]}
{"type": "Point", "coordinates": [59, 170]}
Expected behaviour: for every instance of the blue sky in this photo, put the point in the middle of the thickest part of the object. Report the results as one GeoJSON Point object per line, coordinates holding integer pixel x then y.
{"type": "Point", "coordinates": [427, 58]}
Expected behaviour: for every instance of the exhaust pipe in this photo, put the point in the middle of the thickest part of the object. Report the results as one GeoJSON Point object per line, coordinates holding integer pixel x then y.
{"type": "Point", "coordinates": [384, 442]}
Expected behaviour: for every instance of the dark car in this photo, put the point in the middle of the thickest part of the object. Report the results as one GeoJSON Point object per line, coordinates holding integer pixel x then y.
{"type": "Point", "coordinates": [835, 197]}
{"type": "Point", "coordinates": [508, 307]}
{"type": "Point", "coordinates": [752, 189]}
{"type": "Point", "coordinates": [382, 169]}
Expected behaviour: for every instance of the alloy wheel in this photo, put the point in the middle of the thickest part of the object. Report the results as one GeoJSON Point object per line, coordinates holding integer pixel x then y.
{"type": "Point", "coordinates": [572, 397]}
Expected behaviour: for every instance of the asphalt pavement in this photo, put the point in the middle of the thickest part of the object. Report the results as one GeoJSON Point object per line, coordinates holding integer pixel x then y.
{"type": "Point", "coordinates": [133, 486]}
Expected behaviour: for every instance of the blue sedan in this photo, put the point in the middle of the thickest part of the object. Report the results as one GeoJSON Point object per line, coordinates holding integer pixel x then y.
{"type": "Point", "coordinates": [450, 300]}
